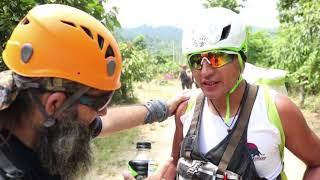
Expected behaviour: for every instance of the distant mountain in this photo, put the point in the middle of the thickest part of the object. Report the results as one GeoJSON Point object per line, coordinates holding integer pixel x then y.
{"type": "Point", "coordinates": [168, 33]}
{"type": "Point", "coordinates": [164, 39]}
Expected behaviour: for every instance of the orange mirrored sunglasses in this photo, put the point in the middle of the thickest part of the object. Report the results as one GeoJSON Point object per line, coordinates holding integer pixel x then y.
{"type": "Point", "coordinates": [215, 59]}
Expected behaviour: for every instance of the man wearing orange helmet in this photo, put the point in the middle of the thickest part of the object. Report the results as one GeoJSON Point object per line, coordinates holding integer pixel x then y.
{"type": "Point", "coordinates": [64, 68]}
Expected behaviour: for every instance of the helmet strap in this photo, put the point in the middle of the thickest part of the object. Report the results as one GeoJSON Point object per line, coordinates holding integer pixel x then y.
{"type": "Point", "coordinates": [240, 61]}
{"type": "Point", "coordinates": [227, 118]}
{"type": "Point", "coordinates": [73, 98]}
{"type": "Point", "coordinates": [50, 120]}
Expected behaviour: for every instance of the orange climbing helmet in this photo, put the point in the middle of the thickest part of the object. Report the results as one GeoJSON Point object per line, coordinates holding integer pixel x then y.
{"type": "Point", "coordinates": [60, 41]}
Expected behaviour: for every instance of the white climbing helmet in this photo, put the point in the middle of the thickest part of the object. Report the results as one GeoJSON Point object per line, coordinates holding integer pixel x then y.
{"type": "Point", "coordinates": [214, 29]}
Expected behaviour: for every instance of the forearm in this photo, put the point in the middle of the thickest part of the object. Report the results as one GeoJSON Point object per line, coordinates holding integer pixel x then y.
{"type": "Point", "coordinates": [312, 173]}
{"type": "Point", "coordinates": [121, 118]}
{"type": "Point", "coordinates": [125, 117]}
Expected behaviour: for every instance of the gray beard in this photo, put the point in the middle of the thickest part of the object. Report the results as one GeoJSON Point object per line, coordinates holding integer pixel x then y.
{"type": "Point", "coordinates": [64, 148]}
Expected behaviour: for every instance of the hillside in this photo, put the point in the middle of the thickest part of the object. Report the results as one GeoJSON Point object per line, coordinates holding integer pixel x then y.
{"type": "Point", "coordinates": [164, 39]}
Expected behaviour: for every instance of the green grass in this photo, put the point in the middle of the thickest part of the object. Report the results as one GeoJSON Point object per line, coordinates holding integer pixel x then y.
{"type": "Point", "coordinates": [157, 89]}
{"type": "Point", "coordinates": [109, 150]}
{"type": "Point", "coordinates": [110, 147]}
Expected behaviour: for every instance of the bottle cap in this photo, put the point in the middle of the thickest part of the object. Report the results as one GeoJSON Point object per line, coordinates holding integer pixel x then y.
{"type": "Point", "coordinates": [145, 145]}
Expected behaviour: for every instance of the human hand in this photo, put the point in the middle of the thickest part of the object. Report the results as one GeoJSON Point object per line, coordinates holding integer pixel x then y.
{"type": "Point", "coordinates": [174, 102]}
{"type": "Point", "coordinates": [156, 176]}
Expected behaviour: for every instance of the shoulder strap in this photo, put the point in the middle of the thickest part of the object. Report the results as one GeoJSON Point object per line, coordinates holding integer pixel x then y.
{"type": "Point", "coordinates": [10, 170]}
{"type": "Point", "coordinates": [244, 117]}
{"type": "Point", "coordinates": [190, 137]}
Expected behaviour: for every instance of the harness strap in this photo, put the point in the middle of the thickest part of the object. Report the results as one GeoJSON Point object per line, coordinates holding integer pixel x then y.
{"type": "Point", "coordinates": [191, 135]}
{"type": "Point", "coordinates": [10, 170]}
{"type": "Point", "coordinates": [244, 117]}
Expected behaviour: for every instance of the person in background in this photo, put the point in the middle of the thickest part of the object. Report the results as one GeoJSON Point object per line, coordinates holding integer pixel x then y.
{"type": "Point", "coordinates": [189, 73]}
{"type": "Point", "coordinates": [186, 81]}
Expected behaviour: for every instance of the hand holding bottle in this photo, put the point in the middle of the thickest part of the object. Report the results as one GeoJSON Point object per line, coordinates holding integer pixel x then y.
{"type": "Point", "coordinates": [156, 176]}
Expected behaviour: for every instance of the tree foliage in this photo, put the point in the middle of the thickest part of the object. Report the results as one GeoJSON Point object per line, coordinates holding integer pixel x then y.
{"type": "Point", "coordinates": [288, 9]}
{"type": "Point", "coordinates": [139, 65]}
{"type": "Point", "coordinates": [230, 4]}
{"type": "Point", "coordinates": [135, 67]}
{"type": "Point", "coordinates": [259, 48]}
{"type": "Point", "coordinates": [296, 47]}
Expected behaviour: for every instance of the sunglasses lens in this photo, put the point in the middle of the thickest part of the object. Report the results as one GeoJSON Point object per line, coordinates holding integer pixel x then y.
{"type": "Point", "coordinates": [195, 61]}
{"type": "Point", "coordinates": [215, 59]}
{"type": "Point", "coordinates": [221, 59]}
{"type": "Point", "coordinates": [98, 103]}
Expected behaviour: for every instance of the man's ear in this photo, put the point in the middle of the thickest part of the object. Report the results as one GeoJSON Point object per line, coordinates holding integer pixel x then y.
{"type": "Point", "coordinates": [54, 101]}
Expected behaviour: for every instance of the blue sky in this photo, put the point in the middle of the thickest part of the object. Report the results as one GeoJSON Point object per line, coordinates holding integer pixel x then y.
{"type": "Point", "coordinates": [133, 13]}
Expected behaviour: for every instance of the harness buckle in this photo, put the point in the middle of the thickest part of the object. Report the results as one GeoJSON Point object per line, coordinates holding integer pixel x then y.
{"type": "Point", "coordinates": [188, 145]}
{"type": "Point", "coordinates": [194, 167]}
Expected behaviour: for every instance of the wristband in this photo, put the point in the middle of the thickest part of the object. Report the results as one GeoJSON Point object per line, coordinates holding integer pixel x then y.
{"type": "Point", "coordinates": [158, 111]}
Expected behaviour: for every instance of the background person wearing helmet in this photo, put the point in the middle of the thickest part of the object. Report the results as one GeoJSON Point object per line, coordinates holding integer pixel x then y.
{"type": "Point", "coordinates": [185, 77]}
{"type": "Point", "coordinates": [207, 125]}
{"type": "Point", "coordinates": [64, 67]}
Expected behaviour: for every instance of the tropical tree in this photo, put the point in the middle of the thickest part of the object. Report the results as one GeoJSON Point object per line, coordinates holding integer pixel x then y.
{"type": "Point", "coordinates": [301, 37]}
{"type": "Point", "coordinates": [297, 47]}
{"type": "Point", "coordinates": [136, 66]}
{"type": "Point", "coordinates": [259, 48]}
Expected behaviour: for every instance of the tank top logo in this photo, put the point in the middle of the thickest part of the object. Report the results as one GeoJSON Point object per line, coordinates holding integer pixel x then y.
{"type": "Point", "coordinates": [255, 153]}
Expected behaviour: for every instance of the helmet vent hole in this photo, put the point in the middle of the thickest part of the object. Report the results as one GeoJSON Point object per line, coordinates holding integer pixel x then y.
{"type": "Point", "coordinates": [88, 32]}
{"type": "Point", "coordinates": [100, 41]}
{"type": "Point", "coordinates": [225, 32]}
{"type": "Point", "coordinates": [68, 23]}
{"type": "Point", "coordinates": [109, 52]}
{"type": "Point", "coordinates": [25, 21]}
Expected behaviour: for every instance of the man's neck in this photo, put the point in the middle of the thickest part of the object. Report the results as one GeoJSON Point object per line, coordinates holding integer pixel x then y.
{"type": "Point", "coordinates": [235, 100]}
{"type": "Point", "coordinates": [27, 131]}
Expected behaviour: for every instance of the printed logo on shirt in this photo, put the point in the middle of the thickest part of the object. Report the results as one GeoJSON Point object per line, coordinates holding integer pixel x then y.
{"type": "Point", "coordinates": [255, 153]}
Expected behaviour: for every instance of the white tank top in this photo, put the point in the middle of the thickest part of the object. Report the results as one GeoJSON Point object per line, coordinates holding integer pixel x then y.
{"type": "Point", "coordinates": [263, 137]}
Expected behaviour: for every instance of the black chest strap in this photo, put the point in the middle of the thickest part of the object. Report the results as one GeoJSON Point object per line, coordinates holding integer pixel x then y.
{"type": "Point", "coordinates": [10, 170]}
{"type": "Point", "coordinates": [244, 117]}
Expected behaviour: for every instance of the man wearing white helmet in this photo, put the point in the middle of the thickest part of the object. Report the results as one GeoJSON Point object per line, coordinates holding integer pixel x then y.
{"type": "Point", "coordinates": [231, 129]}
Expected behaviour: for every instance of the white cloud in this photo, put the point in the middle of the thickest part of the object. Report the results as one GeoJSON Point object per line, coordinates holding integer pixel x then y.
{"type": "Point", "coordinates": [133, 13]}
